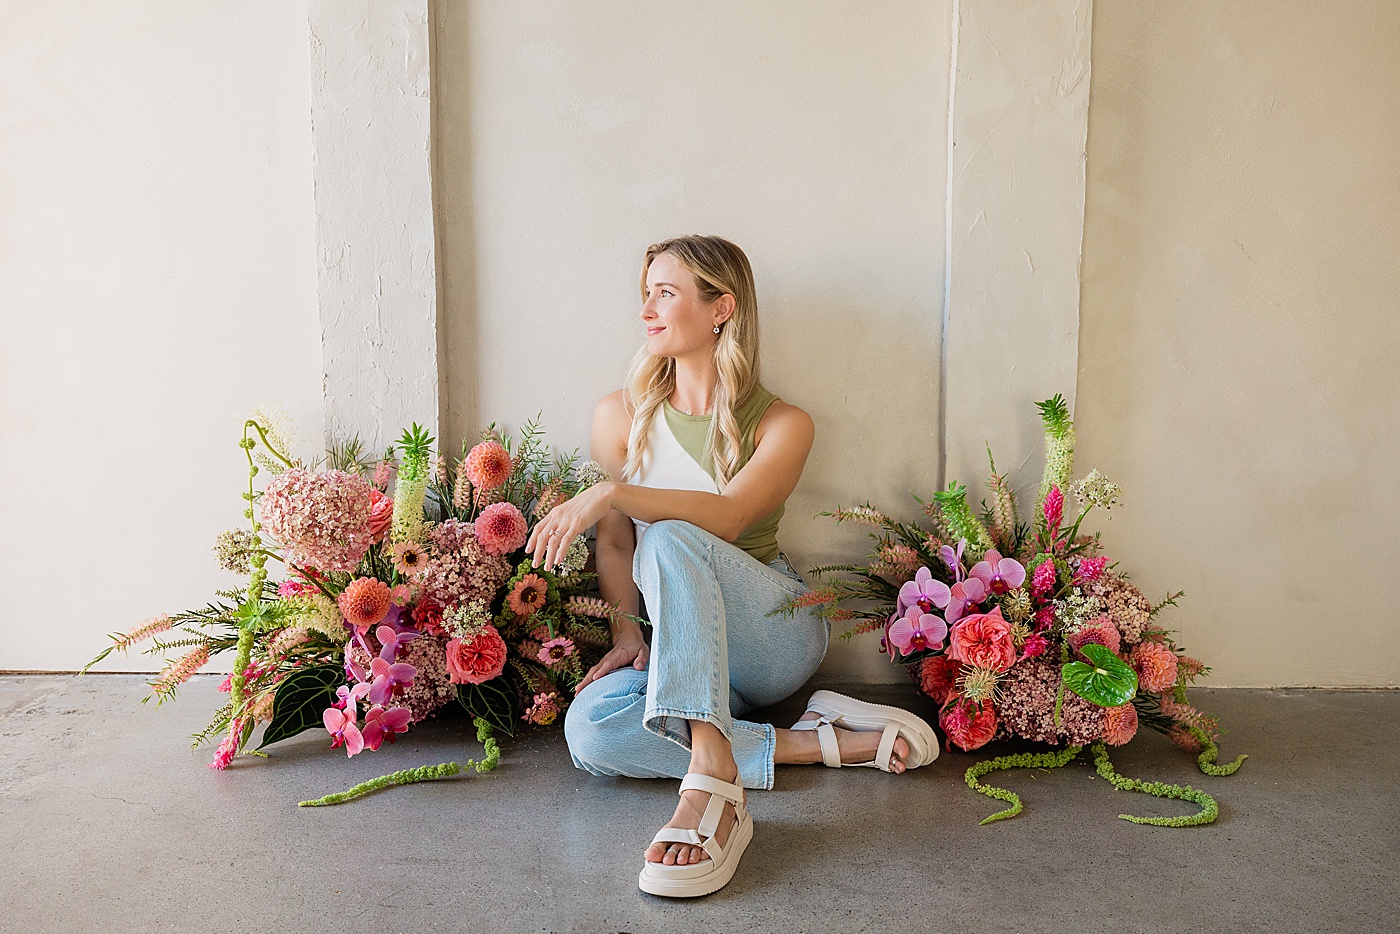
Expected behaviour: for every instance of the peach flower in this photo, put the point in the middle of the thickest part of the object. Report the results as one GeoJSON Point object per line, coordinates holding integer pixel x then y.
{"type": "Point", "coordinates": [1155, 665]}
{"type": "Point", "coordinates": [936, 674]}
{"type": "Point", "coordinates": [1099, 630]}
{"type": "Point", "coordinates": [478, 661]}
{"type": "Point", "coordinates": [488, 465]}
{"type": "Point", "coordinates": [365, 601]}
{"type": "Point", "coordinates": [501, 528]}
{"type": "Point", "coordinates": [1120, 724]}
{"type": "Point", "coordinates": [381, 515]}
{"type": "Point", "coordinates": [983, 640]}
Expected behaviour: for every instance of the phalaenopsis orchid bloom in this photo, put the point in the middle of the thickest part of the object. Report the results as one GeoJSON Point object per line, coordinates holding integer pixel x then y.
{"type": "Point", "coordinates": [916, 631]}
{"type": "Point", "coordinates": [998, 574]}
{"type": "Point", "coordinates": [924, 592]}
{"type": "Point", "coordinates": [965, 596]}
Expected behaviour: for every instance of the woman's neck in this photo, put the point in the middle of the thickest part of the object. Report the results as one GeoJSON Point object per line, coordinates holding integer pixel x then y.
{"type": "Point", "coordinates": [696, 379]}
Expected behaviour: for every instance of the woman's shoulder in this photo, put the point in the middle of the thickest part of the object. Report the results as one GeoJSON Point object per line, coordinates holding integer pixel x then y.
{"type": "Point", "coordinates": [786, 418]}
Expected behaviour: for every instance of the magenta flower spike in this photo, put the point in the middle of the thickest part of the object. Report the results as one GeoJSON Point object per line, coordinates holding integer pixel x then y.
{"type": "Point", "coordinates": [1054, 511]}
{"type": "Point", "coordinates": [954, 559]}
{"type": "Point", "coordinates": [998, 574]}
{"type": "Point", "coordinates": [966, 595]}
{"type": "Point", "coordinates": [916, 631]}
{"type": "Point", "coordinates": [924, 592]}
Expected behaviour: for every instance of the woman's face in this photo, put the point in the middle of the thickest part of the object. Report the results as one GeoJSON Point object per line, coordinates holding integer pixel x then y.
{"type": "Point", "coordinates": [677, 319]}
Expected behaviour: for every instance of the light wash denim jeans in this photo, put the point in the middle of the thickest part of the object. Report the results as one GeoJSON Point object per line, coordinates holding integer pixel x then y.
{"type": "Point", "coordinates": [715, 654]}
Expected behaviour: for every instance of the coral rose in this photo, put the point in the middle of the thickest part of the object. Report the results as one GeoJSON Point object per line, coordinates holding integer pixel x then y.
{"type": "Point", "coordinates": [381, 515]}
{"type": "Point", "coordinates": [477, 661]}
{"type": "Point", "coordinates": [365, 601]}
{"type": "Point", "coordinates": [969, 725]}
{"type": "Point", "coordinates": [488, 465]}
{"type": "Point", "coordinates": [1155, 665]}
{"type": "Point", "coordinates": [936, 674]}
{"type": "Point", "coordinates": [1120, 724]}
{"type": "Point", "coordinates": [983, 640]}
{"type": "Point", "coordinates": [501, 528]}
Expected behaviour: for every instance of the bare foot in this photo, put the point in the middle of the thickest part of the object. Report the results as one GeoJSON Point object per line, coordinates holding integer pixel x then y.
{"type": "Point", "coordinates": [803, 747]}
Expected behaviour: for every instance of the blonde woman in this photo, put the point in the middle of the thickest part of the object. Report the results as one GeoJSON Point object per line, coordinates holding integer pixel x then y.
{"type": "Point", "coordinates": [707, 457]}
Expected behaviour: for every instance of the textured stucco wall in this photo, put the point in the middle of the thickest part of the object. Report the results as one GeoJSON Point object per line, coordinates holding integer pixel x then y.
{"type": "Point", "coordinates": [156, 282]}
{"type": "Point", "coordinates": [813, 135]}
{"type": "Point", "coordinates": [1015, 219]}
{"type": "Point", "coordinates": [371, 127]}
{"type": "Point", "coordinates": [1240, 325]}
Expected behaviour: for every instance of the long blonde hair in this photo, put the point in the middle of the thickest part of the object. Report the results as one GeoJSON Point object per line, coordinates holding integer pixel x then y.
{"type": "Point", "coordinates": [719, 268]}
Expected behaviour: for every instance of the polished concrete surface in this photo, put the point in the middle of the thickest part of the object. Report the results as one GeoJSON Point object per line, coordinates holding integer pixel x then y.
{"type": "Point", "coordinates": [112, 824]}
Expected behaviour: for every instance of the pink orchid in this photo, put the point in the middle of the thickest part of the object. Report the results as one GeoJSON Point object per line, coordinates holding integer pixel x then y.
{"type": "Point", "coordinates": [382, 723]}
{"type": "Point", "coordinates": [388, 679]}
{"type": "Point", "coordinates": [924, 592]}
{"type": "Point", "coordinates": [965, 597]}
{"type": "Point", "coordinates": [916, 631]}
{"type": "Point", "coordinates": [998, 574]}
{"type": "Point", "coordinates": [954, 559]}
{"type": "Point", "coordinates": [391, 640]}
{"type": "Point", "coordinates": [340, 719]}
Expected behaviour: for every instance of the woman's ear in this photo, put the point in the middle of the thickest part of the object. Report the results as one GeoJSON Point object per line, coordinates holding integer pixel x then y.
{"type": "Point", "coordinates": [724, 308]}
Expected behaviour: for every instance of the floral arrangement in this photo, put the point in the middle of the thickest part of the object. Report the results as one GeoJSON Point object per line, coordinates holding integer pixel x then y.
{"type": "Point", "coordinates": [1024, 630]}
{"type": "Point", "coordinates": [390, 607]}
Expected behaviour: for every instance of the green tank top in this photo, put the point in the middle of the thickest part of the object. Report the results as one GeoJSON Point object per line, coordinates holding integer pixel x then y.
{"type": "Point", "coordinates": [761, 538]}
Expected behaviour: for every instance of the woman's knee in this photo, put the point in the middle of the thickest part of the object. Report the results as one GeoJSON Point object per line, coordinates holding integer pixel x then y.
{"type": "Point", "coordinates": [668, 540]}
{"type": "Point", "coordinates": [597, 719]}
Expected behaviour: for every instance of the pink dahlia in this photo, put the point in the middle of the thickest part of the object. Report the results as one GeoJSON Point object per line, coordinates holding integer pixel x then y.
{"type": "Point", "coordinates": [1155, 665]}
{"type": "Point", "coordinates": [1119, 724]}
{"type": "Point", "coordinates": [983, 640]}
{"type": "Point", "coordinates": [365, 601]}
{"type": "Point", "coordinates": [970, 726]}
{"type": "Point", "coordinates": [320, 519]}
{"type": "Point", "coordinates": [488, 465]}
{"type": "Point", "coordinates": [381, 515]}
{"type": "Point", "coordinates": [1099, 630]}
{"type": "Point", "coordinates": [479, 660]}
{"type": "Point", "coordinates": [501, 528]}
{"type": "Point", "coordinates": [556, 650]}
{"type": "Point", "coordinates": [528, 596]}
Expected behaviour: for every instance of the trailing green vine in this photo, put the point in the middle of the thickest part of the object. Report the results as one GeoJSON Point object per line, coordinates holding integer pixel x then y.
{"type": "Point", "coordinates": [1209, 809]}
{"type": "Point", "coordinates": [1024, 760]}
{"type": "Point", "coordinates": [420, 774]}
{"type": "Point", "coordinates": [1206, 760]}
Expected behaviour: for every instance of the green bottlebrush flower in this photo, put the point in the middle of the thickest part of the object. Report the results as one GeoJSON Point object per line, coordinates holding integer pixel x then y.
{"type": "Point", "coordinates": [962, 524]}
{"type": "Point", "coordinates": [1097, 490]}
{"type": "Point", "coordinates": [1059, 451]}
{"type": "Point", "coordinates": [233, 548]}
{"type": "Point", "coordinates": [411, 486]}
{"type": "Point", "coordinates": [316, 612]}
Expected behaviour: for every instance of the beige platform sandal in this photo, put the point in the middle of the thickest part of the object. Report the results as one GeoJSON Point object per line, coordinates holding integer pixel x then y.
{"type": "Point", "coordinates": [712, 874]}
{"type": "Point", "coordinates": [862, 716]}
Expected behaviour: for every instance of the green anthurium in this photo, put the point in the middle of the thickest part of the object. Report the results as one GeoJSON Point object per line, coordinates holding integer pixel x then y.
{"type": "Point", "coordinates": [1105, 680]}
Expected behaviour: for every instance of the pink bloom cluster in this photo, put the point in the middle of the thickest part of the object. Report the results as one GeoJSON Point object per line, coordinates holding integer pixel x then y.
{"type": "Point", "coordinates": [320, 519]}
{"type": "Point", "coordinates": [461, 570]}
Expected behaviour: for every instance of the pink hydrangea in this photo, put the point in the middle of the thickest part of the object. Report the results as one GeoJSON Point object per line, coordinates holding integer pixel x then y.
{"type": "Point", "coordinates": [1026, 709]}
{"type": "Point", "coordinates": [501, 528]}
{"type": "Point", "coordinates": [320, 519]}
{"type": "Point", "coordinates": [462, 570]}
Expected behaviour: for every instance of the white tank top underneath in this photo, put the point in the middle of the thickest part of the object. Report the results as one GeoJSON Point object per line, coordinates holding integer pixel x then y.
{"type": "Point", "coordinates": [667, 466]}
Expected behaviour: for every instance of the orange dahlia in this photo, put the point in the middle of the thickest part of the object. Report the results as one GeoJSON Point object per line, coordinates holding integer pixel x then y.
{"type": "Point", "coordinates": [488, 465]}
{"type": "Point", "coordinates": [365, 602]}
{"type": "Point", "coordinates": [1155, 665]}
{"type": "Point", "coordinates": [1119, 724]}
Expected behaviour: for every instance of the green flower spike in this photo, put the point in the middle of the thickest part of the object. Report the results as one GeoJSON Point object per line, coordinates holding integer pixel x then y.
{"type": "Point", "coordinates": [1206, 760]}
{"type": "Point", "coordinates": [411, 485]}
{"type": "Point", "coordinates": [961, 522]}
{"type": "Point", "coordinates": [1024, 760]}
{"type": "Point", "coordinates": [1059, 451]}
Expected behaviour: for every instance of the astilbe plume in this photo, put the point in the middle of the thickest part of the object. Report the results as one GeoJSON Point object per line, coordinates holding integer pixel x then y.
{"type": "Point", "coordinates": [862, 515]}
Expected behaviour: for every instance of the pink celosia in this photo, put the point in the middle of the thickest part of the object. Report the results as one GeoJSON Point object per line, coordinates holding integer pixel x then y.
{"type": "Point", "coordinates": [969, 726]}
{"type": "Point", "coordinates": [1155, 665]}
{"type": "Point", "coordinates": [556, 650]}
{"type": "Point", "coordinates": [365, 601]}
{"type": "Point", "coordinates": [320, 519]}
{"type": "Point", "coordinates": [478, 661]}
{"type": "Point", "coordinates": [1054, 510]}
{"type": "Point", "coordinates": [936, 675]}
{"type": "Point", "coordinates": [1089, 570]}
{"type": "Point", "coordinates": [528, 595]}
{"type": "Point", "coordinates": [983, 640]}
{"type": "Point", "coordinates": [1099, 630]}
{"type": "Point", "coordinates": [1120, 724]}
{"type": "Point", "coordinates": [488, 465]}
{"type": "Point", "coordinates": [501, 528]}
{"type": "Point", "coordinates": [1043, 578]}
{"type": "Point", "coordinates": [1034, 646]}
{"type": "Point", "coordinates": [228, 748]}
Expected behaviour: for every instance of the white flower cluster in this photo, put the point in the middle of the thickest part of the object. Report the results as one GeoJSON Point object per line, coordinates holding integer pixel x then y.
{"type": "Point", "coordinates": [1097, 490]}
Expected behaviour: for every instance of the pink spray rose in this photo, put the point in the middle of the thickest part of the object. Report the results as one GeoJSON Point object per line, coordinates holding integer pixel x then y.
{"type": "Point", "coordinates": [381, 515]}
{"type": "Point", "coordinates": [983, 640]}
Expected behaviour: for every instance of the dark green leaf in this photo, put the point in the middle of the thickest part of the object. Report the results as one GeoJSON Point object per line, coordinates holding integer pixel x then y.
{"type": "Point", "coordinates": [301, 699]}
{"type": "Point", "coordinates": [1107, 681]}
{"type": "Point", "coordinates": [493, 702]}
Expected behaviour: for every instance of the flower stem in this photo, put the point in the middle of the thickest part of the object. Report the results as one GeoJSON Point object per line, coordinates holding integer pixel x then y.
{"type": "Point", "coordinates": [1024, 760]}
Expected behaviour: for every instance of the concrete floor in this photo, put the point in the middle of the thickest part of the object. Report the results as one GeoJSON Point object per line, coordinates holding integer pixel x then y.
{"type": "Point", "coordinates": [112, 824]}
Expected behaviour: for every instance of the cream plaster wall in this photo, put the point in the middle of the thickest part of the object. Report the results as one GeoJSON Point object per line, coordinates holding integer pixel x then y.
{"type": "Point", "coordinates": [1240, 325]}
{"type": "Point", "coordinates": [814, 135]}
{"type": "Point", "coordinates": [157, 279]}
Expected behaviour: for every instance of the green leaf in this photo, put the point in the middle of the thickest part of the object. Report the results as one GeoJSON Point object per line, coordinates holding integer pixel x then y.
{"type": "Point", "coordinates": [301, 699]}
{"type": "Point", "coordinates": [1108, 681]}
{"type": "Point", "coordinates": [493, 702]}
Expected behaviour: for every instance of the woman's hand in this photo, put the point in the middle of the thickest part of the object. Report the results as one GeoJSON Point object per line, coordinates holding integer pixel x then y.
{"type": "Point", "coordinates": [630, 649]}
{"type": "Point", "coordinates": [550, 540]}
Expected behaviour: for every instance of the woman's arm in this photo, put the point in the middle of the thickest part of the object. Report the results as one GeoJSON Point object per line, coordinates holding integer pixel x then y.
{"type": "Point", "coordinates": [781, 445]}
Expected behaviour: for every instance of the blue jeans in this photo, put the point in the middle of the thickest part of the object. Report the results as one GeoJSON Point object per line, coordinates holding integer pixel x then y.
{"type": "Point", "coordinates": [715, 654]}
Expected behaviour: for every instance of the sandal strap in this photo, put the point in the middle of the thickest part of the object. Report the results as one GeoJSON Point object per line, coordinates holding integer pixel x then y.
{"type": "Point", "coordinates": [698, 781]}
{"type": "Point", "coordinates": [677, 835]}
{"type": "Point", "coordinates": [885, 754]}
{"type": "Point", "coordinates": [831, 749]}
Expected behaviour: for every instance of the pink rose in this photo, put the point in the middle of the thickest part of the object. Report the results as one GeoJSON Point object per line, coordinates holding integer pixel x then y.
{"type": "Point", "coordinates": [983, 640]}
{"type": "Point", "coordinates": [968, 725]}
{"type": "Point", "coordinates": [381, 515]}
{"type": "Point", "coordinates": [478, 661]}
{"type": "Point", "coordinates": [936, 676]}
